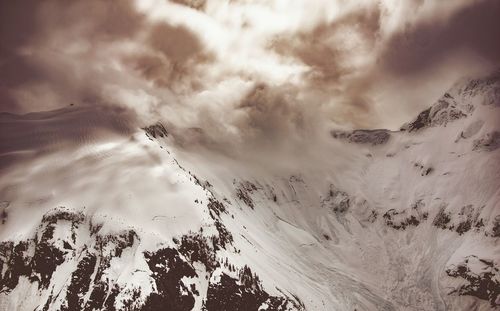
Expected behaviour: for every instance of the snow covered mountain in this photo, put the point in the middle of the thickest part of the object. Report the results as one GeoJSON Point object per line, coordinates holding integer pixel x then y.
{"type": "Point", "coordinates": [379, 220]}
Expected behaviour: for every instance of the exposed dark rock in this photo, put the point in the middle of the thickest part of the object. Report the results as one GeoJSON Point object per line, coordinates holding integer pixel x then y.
{"type": "Point", "coordinates": [62, 213]}
{"type": "Point", "coordinates": [216, 206]}
{"type": "Point", "coordinates": [91, 285]}
{"type": "Point", "coordinates": [115, 243]}
{"type": "Point", "coordinates": [225, 237]}
{"type": "Point", "coordinates": [196, 247]}
{"type": "Point", "coordinates": [111, 298]}
{"type": "Point", "coordinates": [45, 261]}
{"type": "Point", "coordinates": [488, 142]}
{"type": "Point", "coordinates": [195, 4]}
{"type": "Point", "coordinates": [229, 295]}
{"type": "Point", "coordinates": [422, 121]}
{"type": "Point", "coordinates": [244, 293]}
{"type": "Point", "coordinates": [424, 171]}
{"type": "Point", "coordinates": [3, 216]}
{"type": "Point", "coordinates": [495, 231]}
{"type": "Point", "coordinates": [244, 191]}
{"type": "Point", "coordinates": [445, 110]}
{"type": "Point", "coordinates": [168, 268]}
{"type": "Point", "coordinates": [131, 302]}
{"type": "Point", "coordinates": [373, 216]}
{"type": "Point", "coordinates": [337, 200]}
{"type": "Point", "coordinates": [465, 217]}
{"type": "Point", "coordinates": [373, 137]}
{"type": "Point", "coordinates": [482, 279]}
{"type": "Point", "coordinates": [40, 264]}
{"type": "Point", "coordinates": [94, 227]}
{"type": "Point", "coordinates": [99, 291]}
{"type": "Point", "coordinates": [479, 224]}
{"type": "Point", "coordinates": [464, 221]}
{"type": "Point", "coordinates": [15, 263]}
{"type": "Point", "coordinates": [400, 220]}
{"type": "Point", "coordinates": [91, 276]}
{"type": "Point", "coordinates": [80, 282]}
{"type": "Point", "coordinates": [442, 219]}
{"type": "Point", "coordinates": [428, 171]}
{"type": "Point", "coordinates": [477, 86]}
{"type": "Point", "coordinates": [156, 130]}
{"type": "Point", "coordinates": [102, 294]}
{"type": "Point", "coordinates": [464, 226]}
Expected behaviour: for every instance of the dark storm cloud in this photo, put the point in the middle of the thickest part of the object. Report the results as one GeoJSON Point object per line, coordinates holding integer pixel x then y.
{"type": "Point", "coordinates": [175, 42]}
{"type": "Point", "coordinates": [101, 20]}
{"type": "Point", "coordinates": [264, 117]}
{"type": "Point", "coordinates": [26, 26]}
{"type": "Point", "coordinates": [327, 55]}
{"type": "Point", "coordinates": [271, 112]}
{"type": "Point", "coordinates": [176, 53]}
{"type": "Point", "coordinates": [71, 52]}
{"type": "Point", "coordinates": [218, 82]}
{"type": "Point", "coordinates": [30, 135]}
{"type": "Point", "coordinates": [417, 51]}
{"type": "Point", "coordinates": [17, 25]}
{"type": "Point", "coordinates": [475, 28]}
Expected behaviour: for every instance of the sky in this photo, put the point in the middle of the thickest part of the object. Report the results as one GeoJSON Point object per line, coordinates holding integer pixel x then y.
{"type": "Point", "coordinates": [225, 74]}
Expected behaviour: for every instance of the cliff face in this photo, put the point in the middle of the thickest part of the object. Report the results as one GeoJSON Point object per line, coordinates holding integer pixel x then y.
{"type": "Point", "coordinates": [392, 220]}
{"type": "Point", "coordinates": [70, 264]}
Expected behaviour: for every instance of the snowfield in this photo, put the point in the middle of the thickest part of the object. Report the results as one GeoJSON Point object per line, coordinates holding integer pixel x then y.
{"type": "Point", "coordinates": [370, 220]}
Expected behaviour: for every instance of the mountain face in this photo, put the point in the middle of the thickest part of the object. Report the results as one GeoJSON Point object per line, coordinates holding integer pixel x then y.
{"type": "Point", "coordinates": [386, 220]}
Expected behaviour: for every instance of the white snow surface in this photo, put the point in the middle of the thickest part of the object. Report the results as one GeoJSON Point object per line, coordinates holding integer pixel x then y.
{"type": "Point", "coordinates": [292, 238]}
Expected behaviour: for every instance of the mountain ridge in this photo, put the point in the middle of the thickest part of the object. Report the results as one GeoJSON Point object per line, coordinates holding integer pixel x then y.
{"type": "Point", "coordinates": [406, 226]}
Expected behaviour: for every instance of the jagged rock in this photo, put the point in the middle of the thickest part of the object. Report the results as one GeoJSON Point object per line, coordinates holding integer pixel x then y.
{"type": "Point", "coordinates": [489, 142]}
{"type": "Point", "coordinates": [245, 293]}
{"type": "Point", "coordinates": [441, 113]}
{"type": "Point", "coordinates": [196, 247]}
{"type": "Point", "coordinates": [442, 219]}
{"type": "Point", "coordinates": [483, 86]}
{"type": "Point", "coordinates": [168, 269]}
{"type": "Point", "coordinates": [337, 200]}
{"type": "Point", "coordinates": [244, 190]}
{"type": "Point", "coordinates": [482, 279]}
{"type": "Point", "coordinates": [464, 221]}
{"type": "Point", "coordinates": [400, 220]}
{"type": "Point", "coordinates": [91, 286]}
{"type": "Point", "coordinates": [68, 261]}
{"type": "Point", "coordinates": [495, 231]}
{"type": "Point", "coordinates": [373, 137]}
{"type": "Point", "coordinates": [156, 130]}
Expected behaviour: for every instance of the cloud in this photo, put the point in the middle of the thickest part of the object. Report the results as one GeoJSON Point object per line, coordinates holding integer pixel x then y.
{"type": "Point", "coordinates": [329, 48]}
{"type": "Point", "coordinates": [175, 55]}
{"type": "Point", "coordinates": [472, 29]}
{"type": "Point", "coordinates": [382, 63]}
{"type": "Point", "coordinates": [271, 111]}
{"type": "Point", "coordinates": [227, 75]}
{"type": "Point", "coordinates": [51, 47]}
{"type": "Point", "coordinates": [17, 24]}
{"type": "Point", "coordinates": [32, 135]}
{"type": "Point", "coordinates": [175, 42]}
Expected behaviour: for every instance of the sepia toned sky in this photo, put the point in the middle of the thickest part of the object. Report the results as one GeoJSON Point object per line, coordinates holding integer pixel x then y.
{"type": "Point", "coordinates": [243, 71]}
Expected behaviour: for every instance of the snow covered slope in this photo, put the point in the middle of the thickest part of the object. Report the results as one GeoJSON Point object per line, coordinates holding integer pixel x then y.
{"type": "Point", "coordinates": [377, 220]}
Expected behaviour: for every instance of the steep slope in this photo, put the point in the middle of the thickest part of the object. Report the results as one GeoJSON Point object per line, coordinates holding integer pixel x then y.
{"type": "Point", "coordinates": [381, 220]}
{"type": "Point", "coordinates": [168, 254]}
